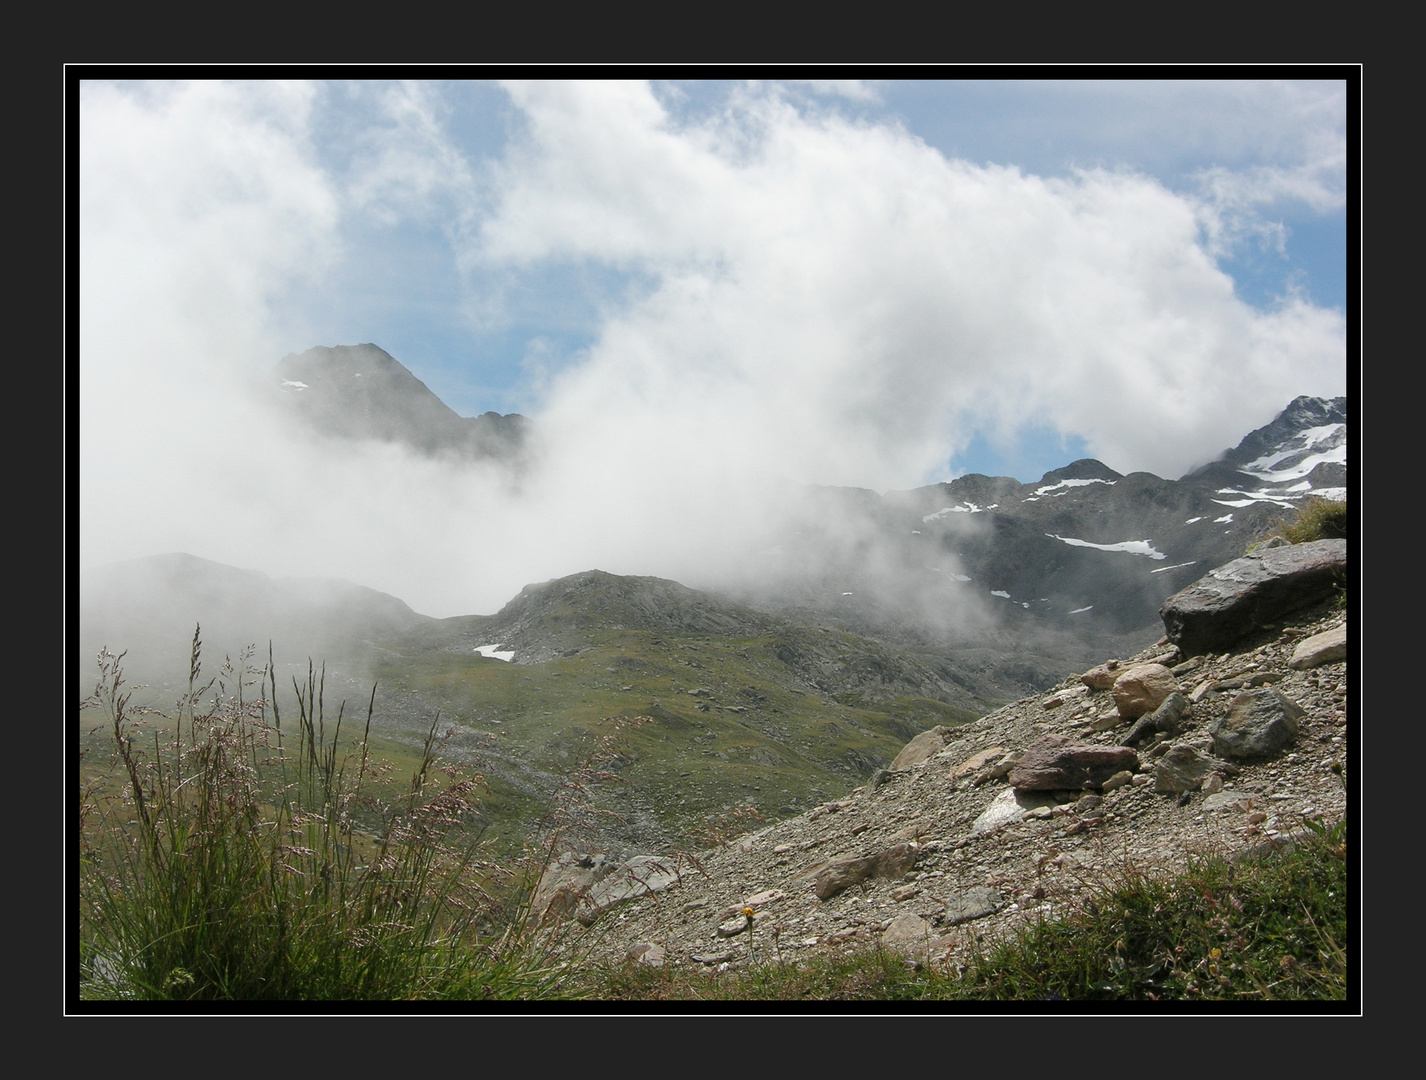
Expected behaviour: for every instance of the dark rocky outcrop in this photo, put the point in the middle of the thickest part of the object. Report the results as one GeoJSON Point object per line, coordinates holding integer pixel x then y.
{"type": "Point", "coordinates": [1074, 566]}
{"type": "Point", "coordinates": [1213, 613]}
{"type": "Point", "coordinates": [1285, 431]}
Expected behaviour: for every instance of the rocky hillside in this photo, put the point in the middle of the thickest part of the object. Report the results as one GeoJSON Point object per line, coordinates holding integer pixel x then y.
{"type": "Point", "coordinates": [1130, 767]}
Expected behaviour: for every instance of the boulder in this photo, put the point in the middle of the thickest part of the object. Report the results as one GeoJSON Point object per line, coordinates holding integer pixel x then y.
{"type": "Point", "coordinates": [1259, 723]}
{"type": "Point", "coordinates": [648, 953]}
{"type": "Point", "coordinates": [1142, 688]}
{"type": "Point", "coordinates": [734, 926]}
{"type": "Point", "coordinates": [976, 762]}
{"type": "Point", "coordinates": [567, 881]}
{"type": "Point", "coordinates": [1320, 649]}
{"type": "Point", "coordinates": [922, 747]}
{"type": "Point", "coordinates": [896, 861]}
{"type": "Point", "coordinates": [1101, 677]}
{"type": "Point", "coordinates": [1166, 720]}
{"type": "Point", "coordinates": [1213, 613]}
{"type": "Point", "coordinates": [1183, 769]}
{"type": "Point", "coordinates": [909, 935]}
{"type": "Point", "coordinates": [1009, 808]}
{"type": "Point", "coordinates": [586, 900]}
{"type": "Point", "coordinates": [1059, 763]}
{"type": "Point", "coordinates": [973, 903]}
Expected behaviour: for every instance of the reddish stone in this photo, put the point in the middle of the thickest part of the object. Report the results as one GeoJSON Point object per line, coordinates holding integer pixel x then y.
{"type": "Point", "coordinates": [1059, 763]}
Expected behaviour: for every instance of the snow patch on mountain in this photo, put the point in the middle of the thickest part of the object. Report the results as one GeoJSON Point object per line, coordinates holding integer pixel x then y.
{"type": "Point", "coordinates": [964, 508]}
{"type": "Point", "coordinates": [1300, 455]}
{"type": "Point", "coordinates": [1133, 547]}
{"type": "Point", "coordinates": [1066, 484]}
{"type": "Point", "coordinates": [1251, 497]}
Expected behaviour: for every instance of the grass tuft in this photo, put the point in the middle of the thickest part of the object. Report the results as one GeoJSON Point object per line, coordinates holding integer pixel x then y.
{"type": "Point", "coordinates": [1316, 519]}
{"type": "Point", "coordinates": [238, 859]}
{"type": "Point", "coordinates": [1266, 929]}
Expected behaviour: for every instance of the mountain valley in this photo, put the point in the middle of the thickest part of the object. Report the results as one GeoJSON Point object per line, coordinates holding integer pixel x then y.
{"type": "Point", "coordinates": [877, 617]}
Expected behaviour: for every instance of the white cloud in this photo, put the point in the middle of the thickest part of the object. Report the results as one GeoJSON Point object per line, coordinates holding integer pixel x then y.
{"type": "Point", "coordinates": [813, 299]}
{"type": "Point", "coordinates": [200, 204]}
{"type": "Point", "coordinates": [404, 164]}
{"type": "Point", "coordinates": [842, 300]}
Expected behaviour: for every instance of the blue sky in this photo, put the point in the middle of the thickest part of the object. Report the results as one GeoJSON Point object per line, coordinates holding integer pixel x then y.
{"type": "Point", "coordinates": [878, 284]}
{"type": "Point", "coordinates": [401, 282]}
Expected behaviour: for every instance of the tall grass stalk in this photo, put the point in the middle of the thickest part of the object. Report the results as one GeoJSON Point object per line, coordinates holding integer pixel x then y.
{"type": "Point", "coordinates": [244, 861]}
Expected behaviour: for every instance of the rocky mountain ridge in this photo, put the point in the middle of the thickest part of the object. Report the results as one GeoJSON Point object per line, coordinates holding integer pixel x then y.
{"type": "Point", "coordinates": [1085, 555]}
{"type": "Point", "coordinates": [1079, 560]}
{"type": "Point", "coordinates": [363, 392]}
{"type": "Point", "coordinates": [974, 831]}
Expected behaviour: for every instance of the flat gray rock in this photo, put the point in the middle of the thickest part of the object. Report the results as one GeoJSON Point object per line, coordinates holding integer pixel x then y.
{"type": "Point", "coordinates": [1213, 613]}
{"type": "Point", "coordinates": [639, 876]}
{"type": "Point", "coordinates": [973, 903]}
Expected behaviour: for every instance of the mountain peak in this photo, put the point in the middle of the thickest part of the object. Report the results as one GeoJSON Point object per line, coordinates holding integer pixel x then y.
{"type": "Point", "coordinates": [363, 392]}
{"type": "Point", "coordinates": [1303, 449]}
{"type": "Point", "coordinates": [1083, 469]}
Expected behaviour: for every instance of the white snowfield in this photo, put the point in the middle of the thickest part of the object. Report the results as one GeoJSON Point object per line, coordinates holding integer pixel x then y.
{"type": "Point", "coordinates": [1327, 443]}
{"type": "Point", "coordinates": [1066, 484]}
{"type": "Point", "coordinates": [1251, 497]}
{"type": "Point", "coordinates": [946, 573]}
{"type": "Point", "coordinates": [494, 652]}
{"type": "Point", "coordinates": [1133, 547]}
{"type": "Point", "coordinates": [964, 508]}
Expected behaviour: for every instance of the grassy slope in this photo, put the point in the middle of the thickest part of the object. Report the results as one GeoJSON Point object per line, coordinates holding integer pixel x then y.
{"type": "Point", "coordinates": [731, 726]}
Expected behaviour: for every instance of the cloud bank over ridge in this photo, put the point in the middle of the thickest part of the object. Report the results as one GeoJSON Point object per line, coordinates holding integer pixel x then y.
{"type": "Point", "coordinates": [778, 292]}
